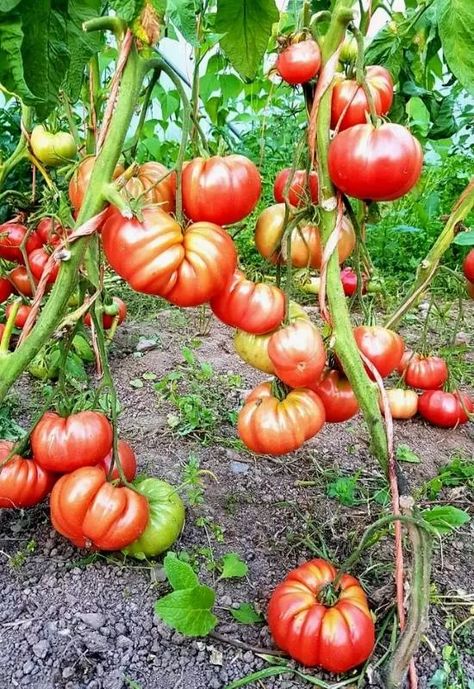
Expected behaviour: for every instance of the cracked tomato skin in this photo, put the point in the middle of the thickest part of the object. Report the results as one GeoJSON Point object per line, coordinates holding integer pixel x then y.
{"type": "Point", "coordinates": [445, 409]}
{"type": "Point", "coordinates": [299, 62]}
{"type": "Point", "coordinates": [337, 396]}
{"type": "Point", "coordinates": [336, 638]}
{"type": "Point", "coordinates": [383, 347]}
{"type": "Point", "coordinates": [63, 444]}
{"type": "Point", "coordinates": [93, 513]}
{"type": "Point", "coordinates": [221, 189]}
{"type": "Point", "coordinates": [157, 256]}
{"type": "Point", "coordinates": [23, 483]}
{"type": "Point", "coordinates": [298, 189]}
{"type": "Point", "coordinates": [347, 93]}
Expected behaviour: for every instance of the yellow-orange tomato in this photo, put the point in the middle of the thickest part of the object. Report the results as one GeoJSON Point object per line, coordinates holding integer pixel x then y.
{"type": "Point", "coordinates": [403, 403]}
{"type": "Point", "coordinates": [146, 182]}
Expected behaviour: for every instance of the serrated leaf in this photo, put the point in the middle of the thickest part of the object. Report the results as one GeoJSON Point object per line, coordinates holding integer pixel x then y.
{"type": "Point", "coordinates": [247, 27]}
{"type": "Point", "coordinates": [11, 59]}
{"type": "Point", "coordinates": [456, 30]}
{"type": "Point", "coordinates": [180, 574]}
{"type": "Point", "coordinates": [445, 519]}
{"type": "Point", "coordinates": [464, 238]}
{"type": "Point", "coordinates": [188, 610]}
{"type": "Point", "coordinates": [82, 45]}
{"type": "Point", "coordinates": [405, 454]}
{"type": "Point", "coordinates": [182, 14]}
{"type": "Point", "coordinates": [233, 566]}
{"type": "Point", "coordinates": [246, 614]}
{"type": "Point", "coordinates": [386, 49]}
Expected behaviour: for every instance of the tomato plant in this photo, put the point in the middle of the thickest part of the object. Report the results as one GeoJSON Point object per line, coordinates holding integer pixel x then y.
{"type": "Point", "coordinates": [349, 103]}
{"type": "Point", "coordinates": [155, 184]}
{"type": "Point", "coordinates": [299, 62]}
{"type": "Point", "coordinates": [337, 396]}
{"type": "Point", "coordinates": [446, 409]}
{"type": "Point", "coordinates": [23, 483]}
{"type": "Point", "coordinates": [79, 182]}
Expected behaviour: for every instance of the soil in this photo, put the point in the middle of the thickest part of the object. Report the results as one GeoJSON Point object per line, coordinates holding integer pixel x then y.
{"type": "Point", "coordinates": [72, 621]}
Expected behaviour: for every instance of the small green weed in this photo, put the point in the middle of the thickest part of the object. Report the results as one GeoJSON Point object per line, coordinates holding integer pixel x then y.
{"type": "Point", "coordinates": [18, 559]}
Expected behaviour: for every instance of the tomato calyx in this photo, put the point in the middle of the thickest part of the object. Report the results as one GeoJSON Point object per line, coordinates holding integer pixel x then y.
{"type": "Point", "coordinates": [279, 389]}
{"type": "Point", "coordinates": [329, 595]}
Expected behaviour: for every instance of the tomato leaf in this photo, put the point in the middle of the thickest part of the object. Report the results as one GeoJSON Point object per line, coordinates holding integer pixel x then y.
{"type": "Point", "coordinates": [386, 49]}
{"type": "Point", "coordinates": [456, 30]}
{"type": "Point", "coordinates": [7, 5]}
{"type": "Point", "coordinates": [233, 566]}
{"type": "Point", "coordinates": [180, 574]}
{"type": "Point", "coordinates": [182, 14]}
{"type": "Point", "coordinates": [464, 238]}
{"type": "Point", "coordinates": [126, 9]}
{"type": "Point", "coordinates": [247, 27]}
{"type": "Point", "coordinates": [188, 610]}
{"type": "Point", "coordinates": [246, 614]}
{"type": "Point", "coordinates": [82, 45]}
{"type": "Point", "coordinates": [445, 519]}
{"type": "Point", "coordinates": [11, 59]}
{"type": "Point", "coordinates": [405, 454]}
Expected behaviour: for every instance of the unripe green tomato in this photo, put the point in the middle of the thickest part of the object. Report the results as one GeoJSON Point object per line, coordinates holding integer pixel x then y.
{"type": "Point", "coordinates": [52, 149]}
{"type": "Point", "coordinates": [42, 368]}
{"type": "Point", "coordinates": [165, 522]}
{"type": "Point", "coordinates": [375, 286]}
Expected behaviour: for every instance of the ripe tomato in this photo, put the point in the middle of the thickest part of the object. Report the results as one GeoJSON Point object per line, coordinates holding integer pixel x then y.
{"type": "Point", "coordinates": [445, 409]}
{"type": "Point", "coordinates": [468, 266]}
{"type": "Point", "coordinates": [297, 353]}
{"type": "Point", "coordinates": [12, 235]}
{"type": "Point", "coordinates": [349, 282]}
{"type": "Point", "coordinates": [336, 637]}
{"type": "Point", "coordinates": [298, 191]}
{"type": "Point", "coordinates": [380, 163]}
{"type": "Point", "coordinates": [23, 483]}
{"type": "Point", "coordinates": [299, 62]}
{"type": "Point", "coordinates": [470, 288]}
{"type": "Point", "coordinates": [38, 260]}
{"type": "Point", "coordinates": [403, 403]}
{"type": "Point", "coordinates": [93, 513]}
{"type": "Point", "coordinates": [156, 256]}
{"type": "Point", "coordinates": [52, 149]}
{"type": "Point", "coordinates": [80, 181]}
{"type": "Point", "coordinates": [50, 231]}
{"type": "Point", "coordinates": [21, 315]}
{"type": "Point", "coordinates": [382, 347]}
{"type": "Point", "coordinates": [107, 318]}
{"type": "Point", "coordinates": [424, 372]}
{"type": "Point", "coordinates": [221, 190]}
{"type": "Point", "coordinates": [20, 280]}
{"type": "Point", "coordinates": [6, 288]}
{"type": "Point", "coordinates": [2, 330]}
{"type": "Point", "coordinates": [127, 460]}
{"type": "Point", "coordinates": [347, 93]}
{"type": "Point", "coordinates": [65, 444]}
{"type": "Point", "coordinates": [251, 306]}
{"type": "Point", "coordinates": [165, 522]}
{"type": "Point", "coordinates": [337, 396]}
{"type": "Point", "coordinates": [269, 426]}
{"type": "Point", "coordinates": [306, 250]}
{"type": "Point", "coordinates": [147, 180]}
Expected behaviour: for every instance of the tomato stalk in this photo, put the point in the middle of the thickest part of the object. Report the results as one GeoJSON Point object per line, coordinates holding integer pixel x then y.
{"type": "Point", "coordinates": [360, 74]}
{"type": "Point", "coordinates": [7, 333]}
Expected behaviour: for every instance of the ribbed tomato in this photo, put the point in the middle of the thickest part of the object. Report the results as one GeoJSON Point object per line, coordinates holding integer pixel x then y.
{"type": "Point", "coordinates": [6, 288]}
{"type": "Point", "coordinates": [299, 62]}
{"type": "Point", "coordinates": [251, 306]}
{"type": "Point", "coordinates": [270, 426]}
{"type": "Point", "coordinates": [12, 234]}
{"type": "Point", "coordinates": [156, 256]}
{"type": "Point", "coordinates": [50, 231]}
{"type": "Point", "coordinates": [445, 409]}
{"type": "Point", "coordinates": [64, 444]}
{"type": "Point", "coordinates": [347, 93]}
{"type": "Point", "coordinates": [383, 348]}
{"type": "Point", "coordinates": [21, 315]}
{"type": "Point", "coordinates": [80, 181]}
{"type": "Point", "coordinates": [93, 513]}
{"type": "Point", "coordinates": [403, 403]}
{"type": "Point", "coordinates": [337, 396]}
{"type": "Point", "coordinates": [306, 623]}
{"type": "Point", "coordinates": [220, 189]}
{"type": "Point", "coordinates": [127, 459]}
{"type": "Point", "coordinates": [147, 180]}
{"type": "Point", "coordinates": [23, 483]}
{"type": "Point", "coordinates": [425, 372]}
{"type": "Point", "coordinates": [380, 164]}
{"type": "Point", "coordinates": [20, 280]}
{"type": "Point", "coordinates": [108, 318]}
{"type": "Point", "coordinates": [297, 353]}
{"type": "Point", "coordinates": [301, 190]}
{"type": "Point", "coordinates": [38, 260]}
{"type": "Point", "coordinates": [468, 266]}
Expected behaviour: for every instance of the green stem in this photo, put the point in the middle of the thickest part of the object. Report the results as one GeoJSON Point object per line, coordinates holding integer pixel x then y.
{"type": "Point", "coordinates": [146, 102]}
{"type": "Point", "coordinates": [360, 74]}
{"type": "Point", "coordinates": [94, 106]}
{"type": "Point", "coordinates": [70, 118]}
{"type": "Point", "coordinates": [7, 333]}
{"type": "Point", "coordinates": [21, 150]}
{"type": "Point", "coordinates": [106, 23]}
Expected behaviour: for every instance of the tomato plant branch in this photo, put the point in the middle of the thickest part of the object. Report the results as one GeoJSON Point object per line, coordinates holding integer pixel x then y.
{"type": "Point", "coordinates": [21, 150]}
{"type": "Point", "coordinates": [10, 324]}
{"type": "Point", "coordinates": [146, 103]}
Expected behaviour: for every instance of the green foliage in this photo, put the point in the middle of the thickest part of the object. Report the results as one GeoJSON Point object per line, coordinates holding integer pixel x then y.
{"type": "Point", "coordinates": [456, 30]}
{"type": "Point", "coordinates": [344, 489]}
{"type": "Point", "coordinates": [246, 614]}
{"type": "Point", "coordinates": [233, 566]}
{"type": "Point", "coordinates": [405, 454]}
{"type": "Point", "coordinates": [459, 472]}
{"type": "Point", "coordinates": [9, 428]}
{"type": "Point", "coordinates": [445, 518]}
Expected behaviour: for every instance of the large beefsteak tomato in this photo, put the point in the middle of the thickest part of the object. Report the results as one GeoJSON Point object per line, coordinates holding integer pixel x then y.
{"type": "Point", "coordinates": [349, 97]}
{"type": "Point", "coordinates": [23, 483]}
{"type": "Point", "coordinates": [297, 353]}
{"type": "Point", "coordinates": [146, 184]}
{"type": "Point", "coordinates": [424, 372]}
{"type": "Point", "coordinates": [337, 396]}
{"type": "Point", "coordinates": [445, 409]}
{"type": "Point", "coordinates": [127, 459]}
{"type": "Point", "coordinates": [383, 348]}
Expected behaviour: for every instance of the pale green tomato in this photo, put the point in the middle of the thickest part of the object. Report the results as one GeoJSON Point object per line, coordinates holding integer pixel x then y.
{"type": "Point", "coordinates": [52, 149]}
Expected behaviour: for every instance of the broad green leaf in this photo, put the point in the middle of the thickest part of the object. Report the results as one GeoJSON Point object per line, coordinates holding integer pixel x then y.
{"type": "Point", "coordinates": [188, 610]}
{"type": "Point", "coordinates": [405, 454]}
{"type": "Point", "coordinates": [182, 14]}
{"type": "Point", "coordinates": [247, 27]}
{"type": "Point", "coordinates": [230, 86]}
{"type": "Point", "coordinates": [233, 566]}
{"type": "Point", "coordinates": [246, 614]}
{"type": "Point", "coordinates": [11, 59]}
{"type": "Point", "coordinates": [75, 366]}
{"type": "Point", "coordinates": [180, 574]}
{"type": "Point", "coordinates": [456, 30]}
{"type": "Point", "coordinates": [386, 49]}
{"type": "Point", "coordinates": [8, 5]}
{"type": "Point", "coordinates": [419, 116]}
{"type": "Point", "coordinates": [444, 124]}
{"type": "Point", "coordinates": [464, 238]}
{"type": "Point", "coordinates": [445, 518]}
{"type": "Point", "coordinates": [159, 6]}
{"type": "Point", "coordinates": [126, 9]}
{"type": "Point", "coordinates": [82, 45]}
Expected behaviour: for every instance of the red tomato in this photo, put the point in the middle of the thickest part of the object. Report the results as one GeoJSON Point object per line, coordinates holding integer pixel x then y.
{"type": "Point", "coordinates": [50, 231]}
{"type": "Point", "coordinates": [221, 190]}
{"type": "Point", "coordinates": [337, 396]}
{"type": "Point", "coordinates": [380, 163]}
{"type": "Point", "coordinates": [445, 409]}
{"type": "Point", "coordinates": [38, 260]}
{"type": "Point", "coordinates": [298, 190]}
{"type": "Point", "coordinates": [80, 181]}
{"type": "Point", "coordinates": [6, 288]}
{"type": "Point", "coordinates": [382, 347]}
{"type": "Point", "coordinates": [425, 372]}
{"type": "Point", "coordinates": [2, 330]}
{"type": "Point", "coordinates": [270, 426]}
{"type": "Point", "coordinates": [147, 180]}
{"type": "Point", "coordinates": [403, 403]}
{"type": "Point", "coordinates": [95, 514]}
{"type": "Point", "coordinates": [156, 256]}
{"type": "Point", "coordinates": [470, 288]}
{"type": "Point", "coordinates": [23, 483]}
{"type": "Point", "coordinates": [347, 93]}
{"type": "Point", "coordinates": [297, 353]}
{"type": "Point", "coordinates": [251, 306]}
{"type": "Point", "coordinates": [127, 460]}
{"type": "Point", "coordinates": [107, 318]}
{"type": "Point", "coordinates": [299, 62]}
{"type": "Point", "coordinates": [65, 444]}
{"type": "Point", "coordinates": [21, 315]}
{"type": "Point", "coordinates": [12, 235]}
{"type": "Point", "coordinates": [302, 621]}
{"type": "Point", "coordinates": [20, 280]}
{"type": "Point", "coordinates": [468, 266]}
{"type": "Point", "coordinates": [349, 282]}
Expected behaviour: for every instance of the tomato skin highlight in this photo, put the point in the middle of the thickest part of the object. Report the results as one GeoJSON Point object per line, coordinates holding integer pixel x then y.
{"type": "Point", "coordinates": [337, 396]}
{"type": "Point", "coordinates": [444, 408]}
{"type": "Point", "coordinates": [64, 444]}
{"type": "Point", "coordinates": [403, 403]}
{"type": "Point", "coordinates": [269, 426]}
{"type": "Point", "coordinates": [348, 93]}
{"type": "Point", "coordinates": [12, 235]}
{"type": "Point", "coordinates": [92, 513]}
{"type": "Point", "coordinates": [23, 483]}
{"type": "Point", "coordinates": [108, 319]}
{"type": "Point", "coordinates": [250, 306]}
{"type": "Point", "coordinates": [299, 62]}
{"type": "Point", "coordinates": [21, 315]}
{"type": "Point", "coordinates": [383, 347]}
{"type": "Point", "coordinates": [145, 183]}
{"type": "Point", "coordinates": [468, 266]}
{"type": "Point", "coordinates": [349, 282]}
{"type": "Point", "coordinates": [298, 189]}
{"type": "Point", "coordinates": [6, 289]}
{"type": "Point", "coordinates": [221, 189]}
{"type": "Point", "coordinates": [128, 461]}
{"type": "Point", "coordinates": [424, 372]}
{"type": "Point", "coordinates": [297, 353]}
{"type": "Point", "coordinates": [38, 260]}
{"type": "Point", "coordinates": [336, 638]}
{"type": "Point", "coordinates": [380, 164]}
{"type": "Point", "coordinates": [20, 280]}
